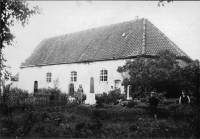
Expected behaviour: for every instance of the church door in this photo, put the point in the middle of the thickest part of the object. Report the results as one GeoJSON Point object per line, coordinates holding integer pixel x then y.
{"type": "Point", "coordinates": [71, 89]}
{"type": "Point", "coordinates": [91, 85]}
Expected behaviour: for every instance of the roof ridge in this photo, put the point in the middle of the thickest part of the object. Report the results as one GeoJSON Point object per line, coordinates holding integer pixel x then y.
{"type": "Point", "coordinates": [144, 37]}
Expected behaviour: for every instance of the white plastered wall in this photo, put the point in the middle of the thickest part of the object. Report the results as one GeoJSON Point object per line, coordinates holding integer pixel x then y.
{"type": "Point", "coordinates": [62, 72]}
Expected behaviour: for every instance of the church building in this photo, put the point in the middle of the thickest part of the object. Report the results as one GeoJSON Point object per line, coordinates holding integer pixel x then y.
{"type": "Point", "coordinates": [91, 57]}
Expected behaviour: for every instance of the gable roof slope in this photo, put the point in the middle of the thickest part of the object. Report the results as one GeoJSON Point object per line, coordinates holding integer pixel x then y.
{"type": "Point", "coordinates": [114, 41]}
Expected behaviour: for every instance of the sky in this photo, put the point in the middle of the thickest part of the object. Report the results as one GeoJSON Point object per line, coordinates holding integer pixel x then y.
{"type": "Point", "coordinates": [179, 21]}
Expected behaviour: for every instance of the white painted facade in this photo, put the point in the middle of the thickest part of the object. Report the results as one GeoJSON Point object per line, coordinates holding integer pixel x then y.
{"type": "Point", "coordinates": [62, 72]}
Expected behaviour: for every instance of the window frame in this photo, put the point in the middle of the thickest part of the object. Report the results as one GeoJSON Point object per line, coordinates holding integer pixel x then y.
{"type": "Point", "coordinates": [103, 77]}
{"type": "Point", "coordinates": [48, 77]}
{"type": "Point", "coordinates": [73, 77]}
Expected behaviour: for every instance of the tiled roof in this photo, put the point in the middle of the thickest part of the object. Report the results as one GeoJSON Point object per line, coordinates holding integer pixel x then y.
{"type": "Point", "coordinates": [115, 41]}
{"type": "Point", "coordinates": [16, 77]}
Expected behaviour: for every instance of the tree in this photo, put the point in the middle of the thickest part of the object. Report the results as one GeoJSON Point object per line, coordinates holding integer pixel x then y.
{"type": "Point", "coordinates": [12, 12]}
{"type": "Point", "coordinates": [191, 78]}
{"type": "Point", "coordinates": [146, 74]}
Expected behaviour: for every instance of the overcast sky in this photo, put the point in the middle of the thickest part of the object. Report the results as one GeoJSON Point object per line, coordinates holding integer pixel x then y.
{"type": "Point", "coordinates": [179, 21]}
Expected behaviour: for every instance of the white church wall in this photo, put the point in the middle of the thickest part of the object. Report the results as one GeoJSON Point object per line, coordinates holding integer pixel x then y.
{"type": "Point", "coordinates": [62, 72]}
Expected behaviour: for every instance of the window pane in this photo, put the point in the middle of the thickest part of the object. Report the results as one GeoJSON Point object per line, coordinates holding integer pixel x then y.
{"type": "Point", "coordinates": [75, 73]}
{"type": "Point", "coordinates": [72, 73]}
{"type": "Point", "coordinates": [105, 78]}
{"type": "Point", "coordinates": [101, 78]}
{"type": "Point", "coordinates": [105, 72]}
{"type": "Point", "coordinates": [48, 76]}
{"type": "Point", "coordinates": [101, 72]}
{"type": "Point", "coordinates": [75, 79]}
{"type": "Point", "coordinates": [72, 79]}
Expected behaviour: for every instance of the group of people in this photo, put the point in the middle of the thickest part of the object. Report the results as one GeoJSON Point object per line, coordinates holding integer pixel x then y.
{"type": "Point", "coordinates": [184, 99]}
{"type": "Point", "coordinates": [79, 96]}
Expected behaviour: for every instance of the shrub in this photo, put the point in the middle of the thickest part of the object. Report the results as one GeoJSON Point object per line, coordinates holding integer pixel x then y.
{"type": "Point", "coordinates": [84, 110]}
{"type": "Point", "coordinates": [131, 104]}
{"type": "Point", "coordinates": [45, 130]}
{"type": "Point", "coordinates": [111, 97]}
{"type": "Point", "coordinates": [45, 91]}
{"type": "Point", "coordinates": [64, 98]}
{"type": "Point", "coordinates": [102, 114]}
{"type": "Point", "coordinates": [144, 99]}
{"type": "Point", "coordinates": [185, 112]}
{"type": "Point", "coordinates": [15, 97]}
{"type": "Point", "coordinates": [9, 127]}
{"type": "Point", "coordinates": [169, 101]}
{"type": "Point", "coordinates": [114, 95]}
{"type": "Point", "coordinates": [53, 93]}
{"type": "Point", "coordinates": [12, 99]}
{"type": "Point", "coordinates": [172, 106]}
{"type": "Point", "coordinates": [100, 99]}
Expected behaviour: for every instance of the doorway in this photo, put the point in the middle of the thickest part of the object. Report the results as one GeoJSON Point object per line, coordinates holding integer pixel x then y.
{"type": "Point", "coordinates": [71, 89]}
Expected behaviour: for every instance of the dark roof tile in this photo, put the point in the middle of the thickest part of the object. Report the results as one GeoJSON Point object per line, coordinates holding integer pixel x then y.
{"type": "Point", "coordinates": [108, 42]}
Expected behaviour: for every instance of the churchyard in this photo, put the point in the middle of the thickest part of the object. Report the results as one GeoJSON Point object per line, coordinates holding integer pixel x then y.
{"type": "Point", "coordinates": [54, 116]}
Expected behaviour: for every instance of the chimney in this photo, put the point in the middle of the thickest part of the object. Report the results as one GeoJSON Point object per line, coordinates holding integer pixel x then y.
{"type": "Point", "coordinates": [136, 17]}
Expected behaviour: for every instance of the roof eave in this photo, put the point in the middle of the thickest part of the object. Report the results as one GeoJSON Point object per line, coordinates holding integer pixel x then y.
{"type": "Point", "coordinates": [84, 61]}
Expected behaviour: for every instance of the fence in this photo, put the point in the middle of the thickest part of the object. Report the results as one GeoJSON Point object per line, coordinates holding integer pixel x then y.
{"type": "Point", "coordinates": [44, 103]}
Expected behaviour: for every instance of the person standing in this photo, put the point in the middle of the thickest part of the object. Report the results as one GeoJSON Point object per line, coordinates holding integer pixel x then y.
{"type": "Point", "coordinates": [80, 94]}
{"type": "Point", "coordinates": [153, 104]}
{"type": "Point", "coordinates": [184, 99]}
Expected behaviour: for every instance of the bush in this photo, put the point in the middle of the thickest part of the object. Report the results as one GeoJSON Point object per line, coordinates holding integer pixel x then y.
{"type": "Point", "coordinates": [185, 112]}
{"type": "Point", "coordinates": [9, 127]}
{"type": "Point", "coordinates": [101, 114]}
{"type": "Point", "coordinates": [142, 105]}
{"type": "Point", "coordinates": [172, 106]}
{"type": "Point", "coordinates": [84, 110]}
{"type": "Point", "coordinates": [64, 97]}
{"type": "Point", "coordinates": [52, 93]}
{"type": "Point", "coordinates": [170, 101]}
{"type": "Point", "coordinates": [111, 97]}
{"type": "Point", "coordinates": [144, 99]}
{"type": "Point", "coordinates": [15, 97]}
{"type": "Point", "coordinates": [100, 99]}
{"type": "Point", "coordinates": [12, 99]}
{"type": "Point", "coordinates": [131, 104]}
{"type": "Point", "coordinates": [114, 95]}
{"type": "Point", "coordinates": [51, 97]}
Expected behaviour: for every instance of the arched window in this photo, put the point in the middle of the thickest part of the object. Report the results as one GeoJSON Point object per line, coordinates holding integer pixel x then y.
{"type": "Point", "coordinates": [35, 86]}
{"type": "Point", "coordinates": [73, 76]}
{"type": "Point", "coordinates": [103, 75]}
{"type": "Point", "coordinates": [48, 77]}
